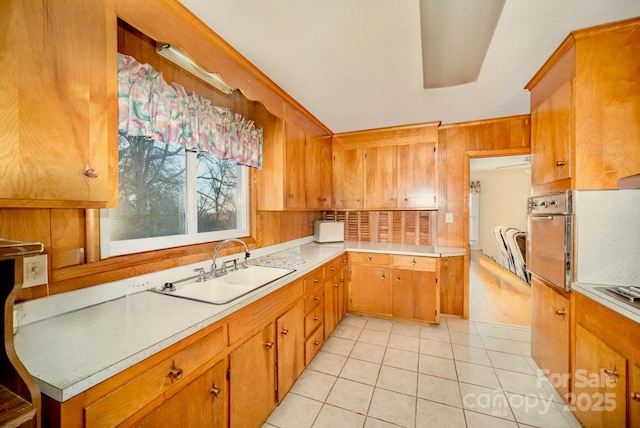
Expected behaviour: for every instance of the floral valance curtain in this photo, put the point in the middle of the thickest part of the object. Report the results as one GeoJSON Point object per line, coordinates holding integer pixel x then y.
{"type": "Point", "coordinates": [149, 107]}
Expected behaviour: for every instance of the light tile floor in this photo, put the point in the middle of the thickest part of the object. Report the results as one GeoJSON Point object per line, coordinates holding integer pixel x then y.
{"type": "Point", "coordinates": [377, 373]}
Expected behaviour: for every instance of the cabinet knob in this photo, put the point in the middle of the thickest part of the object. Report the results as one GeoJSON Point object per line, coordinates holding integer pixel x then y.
{"type": "Point", "coordinates": [215, 391]}
{"type": "Point", "coordinates": [341, 280]}
{"type": "Point", "coordinates": [560, 163]}
{"type": "Point", "coordinates": [316, 343]}
{"type": "Point", "coordinates": [316, 280]}
{"type": "Point", "coordinates": [316, 298]}
{"type": "Point", "coordinates": [316, 318]}
{"type": "Point", "coordinates": [398, 279]}
{"type": "Point", "coordinates": [284, 332]}
{"type": "Point", "coordinates": [413, 262]}
{"type": "Point", "coordinates": [291, 196]}
{"type": "Point", "coordinates": [336, 285]}
{"type": "Point", "coordinates": [561, 312]}
{"type": "Point", "coordinates": [383, 276]}
{"type": "Point", "coordinates": [611, 373]}
{"type": "Point", "coordinates": [268, 345]}
{"type": "Point", "coordinates": [89, 173]}
{"type": "Point", "coordinates": [635, 396]}
{"type": "Point", "coordinates": [175, 373]}
{"type": "Point", "coordinates": [369, 259]}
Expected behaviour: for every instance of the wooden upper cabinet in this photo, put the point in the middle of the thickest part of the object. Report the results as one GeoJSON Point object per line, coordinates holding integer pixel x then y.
{"type": "Point", "coordinates": [381, 181]}
{"type": "Point", "coordinates": [348, 179]}
{"type": "Point", "coordinates": [295, 181]}
{"type": "Point", "coordinates": [584, 127]}
{"type": "Point", "coordinates": [551, 132]}
{"type": "Point", "coordinates": [417, 175]}
{"type": "Point", "coordinates": [389, 168]}
{"type": "Point", "coordinates": [319, 173]}
{"type": "Point", "coordinates": [58, 98]}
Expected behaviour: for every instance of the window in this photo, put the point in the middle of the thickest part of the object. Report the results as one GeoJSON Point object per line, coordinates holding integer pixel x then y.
{"type": "Point", "coordinates": [171, 197]}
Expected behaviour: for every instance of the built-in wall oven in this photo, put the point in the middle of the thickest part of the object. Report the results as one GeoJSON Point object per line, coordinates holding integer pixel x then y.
{"type": "Point", "coordinates": [550, 238]}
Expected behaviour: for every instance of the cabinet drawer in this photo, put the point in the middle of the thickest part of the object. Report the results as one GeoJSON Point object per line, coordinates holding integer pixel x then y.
{"type": "Point", "coordinates": [332, 268]}
{"type": "Point", "coordinates": [313, 280]}
{"type": "Point", "coordinates": [313, 345]}
{"type": "Point", "coordinates": [313, 319]}
{"type": "Point", "coordinates": [126, 400]}
{"type": "Point", "coordinates": [314, 299]}
{"type": "Point", "coordinates": [370, 258]}
{"type": "Point", "coordinates": [412, 262]}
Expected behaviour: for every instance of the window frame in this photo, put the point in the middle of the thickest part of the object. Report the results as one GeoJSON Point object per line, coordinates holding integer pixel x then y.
{"type": "Point", "coordinates": [109, 248]}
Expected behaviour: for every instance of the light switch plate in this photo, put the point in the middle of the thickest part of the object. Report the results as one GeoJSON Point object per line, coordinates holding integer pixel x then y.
{"type": "Point", "coordinates": [448, 217]}
{"type": "Point", "coordinates": [35, 271]}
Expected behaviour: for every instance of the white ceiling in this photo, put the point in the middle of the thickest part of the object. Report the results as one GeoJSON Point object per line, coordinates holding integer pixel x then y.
{"type": "Point", "coordinates": [356, 64]}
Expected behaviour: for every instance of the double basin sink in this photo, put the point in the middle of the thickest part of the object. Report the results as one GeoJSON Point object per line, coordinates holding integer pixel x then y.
{"type": "Point", "coordinates": [226, 288]}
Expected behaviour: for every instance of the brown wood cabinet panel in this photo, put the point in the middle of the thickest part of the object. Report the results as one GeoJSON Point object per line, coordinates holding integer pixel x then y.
{"type": "Point", "coordinates": [201, 403]}
{"type": "Point", "coordinates": [253, 379]}
{"type": "Point", "coordinates": [381, 180]}
{"type": "Point", "coordinates": [295, 191]}
{"type": "Point", "coordinates": [319, 173]}
{"type": "Point", "coordinates": [551, 130]}
{"type": "Point", "coordinates": [414, 295]}
{"type": "Point", "coordinates": [348, 179]}
{"type": "Point", "coordinates": [375, 259]}
{"type": "Point", "coordinates": [417, 175]}
{"type": "Point", "coordinates": [599, 382]}
{"type": "Point", "coordinates": [550, 332]}
{"type": "Point", "coordinates": [58, 101]}
{"type": "Point", "coordinates": [369, 289]}
{"type": "Point", "coordinates": [291, 342]}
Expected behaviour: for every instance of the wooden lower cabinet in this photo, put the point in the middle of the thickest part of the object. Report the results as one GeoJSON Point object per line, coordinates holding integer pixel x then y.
{"type": "Point", "coordinates": [290, 341]}
{"type": "Point", "coordinates": [599, 382]}
{"type": "Point", "coordinates": [335, 298]}
{"type": "Point", "coordinates": [397, 286]}
{"type": "Point", "coordinates": [606, 366]}
{"type": "Point", "coordinates": [550, 333]}
{"type": "Point", "coordinates": [252, 379]}
{"type": "Point", "coordinates": [201, 403]}
{"type": "Point", "coordinates": [414, 294]}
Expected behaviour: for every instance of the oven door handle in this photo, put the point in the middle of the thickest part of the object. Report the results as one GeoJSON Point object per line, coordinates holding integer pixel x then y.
{"type": "Point", "coordinates": [541, 218]}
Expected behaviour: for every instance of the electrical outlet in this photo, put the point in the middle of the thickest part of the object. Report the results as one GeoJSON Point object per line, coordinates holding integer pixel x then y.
{"type": "Point", "coordinates": [448, 217]}
{"type": "Point", "coordinates": [35, 271]}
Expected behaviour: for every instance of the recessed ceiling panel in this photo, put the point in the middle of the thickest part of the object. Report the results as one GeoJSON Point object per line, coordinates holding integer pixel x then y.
{"type": "Point", "coordinates": [455, 38]}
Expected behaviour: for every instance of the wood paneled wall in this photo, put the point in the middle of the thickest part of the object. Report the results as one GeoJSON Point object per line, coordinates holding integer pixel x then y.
{"type": "Point", "coordinates": [457, 144]}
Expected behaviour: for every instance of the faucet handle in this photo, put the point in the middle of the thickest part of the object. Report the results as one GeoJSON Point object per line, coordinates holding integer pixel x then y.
{"type": "Point", "coordinates": [201, 275]}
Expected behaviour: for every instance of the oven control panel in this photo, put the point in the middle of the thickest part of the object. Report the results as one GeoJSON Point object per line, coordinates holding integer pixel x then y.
{"type": "Point", "coordinates": [550, 203]}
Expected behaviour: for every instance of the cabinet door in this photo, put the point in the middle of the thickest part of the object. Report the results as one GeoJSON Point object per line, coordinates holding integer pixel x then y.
{"type": "Point", "coordinates": [634, 395]}
{"type": "Point", "coordinates": [599, 393]}
{"type": "Point", "coordinates": [295, 168]}
{"type": "Point", "coordinates": [369, 289]}
{"type": "Point", "coordinates": [550, 332]}
{"type": "Point", "coordinates": [252, 379]}
{"type": "Point", "coordinates": [348, 179]}
{"type": "Point", "coordinates": [381, 177]}
{"type": "Point", "coordinates": [414, 295]}
{"type": "Point", "coordinates": [201, 403]}
{"type": "Point", "coordinates": [551, 134]}
{"type": "Point", "coordinates": [290, 329]}
{"type": "Point", "coordinates": [58, 92]}
{"type": "Point", "coordinates": [331, 305]}
{"type": "Point", "coordinates": [417, 175]}
{"type": "Point", "coordinates": [319, 173]}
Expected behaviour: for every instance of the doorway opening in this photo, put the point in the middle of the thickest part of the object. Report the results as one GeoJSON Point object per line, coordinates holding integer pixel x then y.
{"type": "Point", "coordinates": [498, 287]}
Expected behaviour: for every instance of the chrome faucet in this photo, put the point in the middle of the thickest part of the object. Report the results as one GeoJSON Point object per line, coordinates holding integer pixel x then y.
{"type": "Point", "coordinates": [223, 269]}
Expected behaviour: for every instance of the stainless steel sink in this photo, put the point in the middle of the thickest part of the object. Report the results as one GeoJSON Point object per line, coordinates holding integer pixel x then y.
{"type": "Point", "coordinates": [227, 288]}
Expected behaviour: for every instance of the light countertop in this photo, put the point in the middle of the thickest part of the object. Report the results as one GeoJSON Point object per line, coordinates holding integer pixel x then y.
{"type": "Point", "coordinates": [607, 300]}
{"type": "Point", "coordinates": [72, 341]}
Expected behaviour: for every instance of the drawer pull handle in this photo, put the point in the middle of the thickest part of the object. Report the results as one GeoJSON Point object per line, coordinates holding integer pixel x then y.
{"type": "Point", "coordinates": [611, 373]}
{"type": "Point", "coordinates": [215, 391]}
{"type": "Point", "coordinates": [336, 285]}
{"type": "Point", "coordinates": [332, 268]}
{"type": "Point", "coordinates": [291, 196]}
{"type": "Point", "coordinates": [341, 279]}
{"type": "Point", "coordinates": [369, 259]}
{"type": "Point", "coordinates": [175, 373]}
{"type": "Point", "coordinates": [316, 280]}
{"type": "Point", "coordinates": [343, 260]}
{"type": "Point", "coordinates": [635, 396]}
{"type": "Point", "coordinates": [383, 276]}
{"type": "Point", "coordinates": [316, 298]}
{"type": "Point", "coordinates": [316, 343]}
{"type": "Point", "coordinates": [561, 312]}
{"type": "Point", "coordinates": [398, 279]}
{"type": "Point", "coordinates": [414, 262]}
{"type": "Point", "coordinates": [560, 163]}
{"type": "Point", "coordinates": [268, 345]}
{"type": "Point", "coordinates": [316, 318]}
{"type": "Point", "coordinates": [284, 332]}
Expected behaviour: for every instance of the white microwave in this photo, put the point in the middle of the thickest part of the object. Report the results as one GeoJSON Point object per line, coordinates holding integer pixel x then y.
{"type": "Point", "coordinates": [328, 231]}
